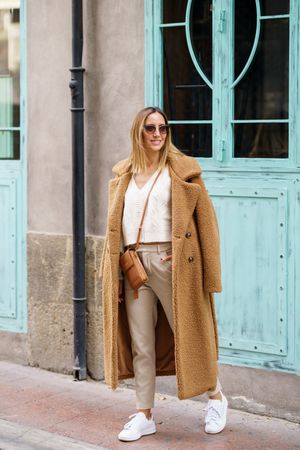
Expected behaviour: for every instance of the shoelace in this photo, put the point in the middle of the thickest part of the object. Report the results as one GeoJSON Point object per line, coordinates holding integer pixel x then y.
{"type": "Point", "coordinates": [212, 413]}
{"type": "Point", "coordinates": [129, 424]}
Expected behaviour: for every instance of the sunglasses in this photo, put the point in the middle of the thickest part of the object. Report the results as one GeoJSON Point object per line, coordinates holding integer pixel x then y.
{"type": "Point", "coordinates": [162, 129]}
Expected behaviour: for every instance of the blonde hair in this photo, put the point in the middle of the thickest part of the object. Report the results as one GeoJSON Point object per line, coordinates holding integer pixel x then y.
{"type": "Point", "coordinates": [137, 157]}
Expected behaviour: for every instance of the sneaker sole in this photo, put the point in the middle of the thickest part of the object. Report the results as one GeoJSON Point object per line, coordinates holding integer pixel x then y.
{"type": "Point", "coordinates": [215, 432]}
{"type": "Point", "coordinates": [136, 439]}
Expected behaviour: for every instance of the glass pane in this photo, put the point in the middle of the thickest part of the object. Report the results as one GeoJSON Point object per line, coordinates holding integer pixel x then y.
{"type": "Point", "coordinates": [174, 11]}
{"type": "Point", "coordinates": [186, 96]}
{"type": "Point", "coordinates": [263, 92]}
{"type": "Point", "coordinates": [9, 145]}
{"type": "Point", "coordinates": [201, 34]}
{"type": "Point", "coordinates": [9, 67]}
{"type": "Point", "coordinates": [261, 140]}
{"type": "Point", "coordinates": [245, 27]}
{"type": "Point", "coordinates": [272, 7]}
{"type": "Point", "coordinates": [193, 140]}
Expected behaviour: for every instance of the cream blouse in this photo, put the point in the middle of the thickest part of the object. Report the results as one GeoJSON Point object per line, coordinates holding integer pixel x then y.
{"type": "Point", "coordinates": [157, 221]}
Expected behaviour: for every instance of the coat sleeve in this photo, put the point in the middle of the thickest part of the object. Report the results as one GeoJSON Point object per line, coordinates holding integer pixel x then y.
{"type": "Point", "coordinates": [104, 250]}
{"type": "Point", "coordinates": [103, 256]}
{"type": "Point", "coordinates": [209, 239]}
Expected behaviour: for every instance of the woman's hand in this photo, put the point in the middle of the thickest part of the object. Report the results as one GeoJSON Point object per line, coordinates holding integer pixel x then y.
{"type": "Point", "coordinates": [121, 290]}
{"type": "Point", "coordinates": [167, 258]}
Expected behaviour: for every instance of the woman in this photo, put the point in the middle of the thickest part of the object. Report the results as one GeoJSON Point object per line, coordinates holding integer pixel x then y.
{"type": "Point", "coordinates": [171, 327]}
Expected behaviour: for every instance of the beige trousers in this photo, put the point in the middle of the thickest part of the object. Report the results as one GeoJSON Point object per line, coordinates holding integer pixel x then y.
{"type": "Point", "coordinates": [142, 317]}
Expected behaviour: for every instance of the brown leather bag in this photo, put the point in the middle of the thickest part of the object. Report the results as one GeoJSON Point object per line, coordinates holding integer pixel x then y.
{"type": "Point", "coordinates": [130, 262]}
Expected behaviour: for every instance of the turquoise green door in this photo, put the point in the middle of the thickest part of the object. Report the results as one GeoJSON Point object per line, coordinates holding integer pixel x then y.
{"type": "Point", "coordinates": [226, 72]}
{"type": "Point", "coordinates": [12, 168]}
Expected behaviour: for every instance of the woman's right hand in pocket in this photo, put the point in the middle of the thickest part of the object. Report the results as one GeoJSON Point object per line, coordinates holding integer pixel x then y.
{"type": "Point", "coordinates": [166, 258]}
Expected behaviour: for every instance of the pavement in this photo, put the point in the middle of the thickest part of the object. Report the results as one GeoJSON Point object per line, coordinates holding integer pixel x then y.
{"type": "Point", "coordinates": [41, 410]}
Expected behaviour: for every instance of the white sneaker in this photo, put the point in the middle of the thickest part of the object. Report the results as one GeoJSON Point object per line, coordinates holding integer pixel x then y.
{"type": "Point", "coordinates": [215, 419]}
{"type": "Point", "coordinates": [137, 427]}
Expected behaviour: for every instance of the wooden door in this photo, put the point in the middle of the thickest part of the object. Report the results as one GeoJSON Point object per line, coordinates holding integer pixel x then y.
{"type": "Point", "coordinates": [226, 74]}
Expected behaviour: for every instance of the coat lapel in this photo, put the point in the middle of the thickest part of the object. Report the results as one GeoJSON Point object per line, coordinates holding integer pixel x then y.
{"type": "Point", "coordinates": [184, 199]}
{"type": "Point", "coordinates": [184, 196]}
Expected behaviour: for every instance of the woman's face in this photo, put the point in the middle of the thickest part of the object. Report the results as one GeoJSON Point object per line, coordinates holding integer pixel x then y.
{"type": "Point", "coordinates": [154, 139]}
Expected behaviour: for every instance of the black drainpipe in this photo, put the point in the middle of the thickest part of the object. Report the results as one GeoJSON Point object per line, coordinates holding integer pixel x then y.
{"type": "Point", "coordinates": [79, 299]}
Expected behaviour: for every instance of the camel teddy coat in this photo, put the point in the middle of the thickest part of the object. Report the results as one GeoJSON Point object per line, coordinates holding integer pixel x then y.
{"type": "Point", "coordinates": [192, 351]}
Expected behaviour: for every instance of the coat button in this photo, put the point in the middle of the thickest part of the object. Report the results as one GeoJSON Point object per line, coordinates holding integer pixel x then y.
{"type": "Point", "coordinates": [188, 234]}
{"type": "Point", "coordinates": [191, 259]}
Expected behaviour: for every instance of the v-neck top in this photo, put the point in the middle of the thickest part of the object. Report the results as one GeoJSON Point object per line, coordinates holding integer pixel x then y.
{"type": "Point", "coordinates": [157, 222]}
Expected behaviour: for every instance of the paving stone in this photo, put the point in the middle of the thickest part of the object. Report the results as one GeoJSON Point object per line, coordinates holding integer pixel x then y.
{"type": "Point", "coordinates": [18, 437]}
{"type": "Point", "coordinates": [42, 410]}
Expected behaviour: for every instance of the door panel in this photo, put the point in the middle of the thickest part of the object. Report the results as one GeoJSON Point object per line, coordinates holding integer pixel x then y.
{"type": "Point", "coordinates": [253, 223]}
{"type": "Point", "coordinates": [8, 255]}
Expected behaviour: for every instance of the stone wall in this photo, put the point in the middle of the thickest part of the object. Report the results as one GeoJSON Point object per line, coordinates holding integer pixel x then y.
{"type": "Point", "coordinates": [50, 306]}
